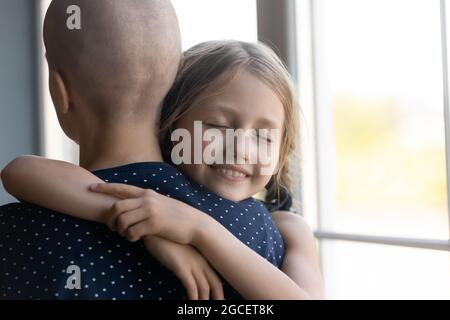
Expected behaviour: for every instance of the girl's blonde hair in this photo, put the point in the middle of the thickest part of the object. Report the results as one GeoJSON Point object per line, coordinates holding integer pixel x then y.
{"type": "Point", "coordinates": [210, 66]}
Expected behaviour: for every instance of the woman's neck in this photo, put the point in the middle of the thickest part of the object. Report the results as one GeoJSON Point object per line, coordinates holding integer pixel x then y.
{"type": "Point", "coordinates": [119, 145]}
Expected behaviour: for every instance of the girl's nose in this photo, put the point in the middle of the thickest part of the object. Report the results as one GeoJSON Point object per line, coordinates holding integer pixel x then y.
{"type": "Point", "coordinates": [241, 146]}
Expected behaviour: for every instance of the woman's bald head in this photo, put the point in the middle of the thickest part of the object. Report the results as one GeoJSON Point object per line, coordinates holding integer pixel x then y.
{"type": "Point", "coordinates": [122, 61]}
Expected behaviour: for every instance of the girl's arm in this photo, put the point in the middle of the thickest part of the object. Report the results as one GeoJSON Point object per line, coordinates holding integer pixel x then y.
{"type": "Point", "coordinates": [301, 262]}
{"type": "Point", "coordinates": [64, 187]}
{"type": "Point", "coordinates": [251, 275]}
{"type": "Point", "coordinates": [56, 185]}
{"type": "Point", "coordinates": [146, 212]}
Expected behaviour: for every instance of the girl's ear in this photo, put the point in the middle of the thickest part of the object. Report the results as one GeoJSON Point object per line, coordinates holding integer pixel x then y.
{"type": "Point", "coordinates": [59, 92]}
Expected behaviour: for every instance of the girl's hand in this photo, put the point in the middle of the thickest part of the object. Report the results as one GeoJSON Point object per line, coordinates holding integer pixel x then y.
{"type": "Point", "coordinates": [145, 212]}
{"type": "Point", "coordinates": [195, 273]}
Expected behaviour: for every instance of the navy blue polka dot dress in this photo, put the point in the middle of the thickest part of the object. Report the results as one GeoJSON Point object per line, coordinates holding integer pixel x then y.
{"type": "Point", "coordinates": [37, 245]}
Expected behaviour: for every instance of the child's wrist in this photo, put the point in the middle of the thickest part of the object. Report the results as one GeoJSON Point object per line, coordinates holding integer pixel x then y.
{"type": "Point", "coordinates": [150, 241]}
{"type": "Point", "coordinates": [202, 228]}
{"type": "Point", "coordinates": [105, 218]}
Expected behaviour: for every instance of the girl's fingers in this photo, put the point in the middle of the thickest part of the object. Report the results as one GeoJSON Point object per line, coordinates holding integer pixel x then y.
{"type": "Point", "coordinates": [188, 282]}
{"type": "Point", "coordinates": [202, 285]}
{"type": "Point", "coordinates": [119, 190]}
{"type": "Point", "coordinates": [215, 284]}
{"type": "Point", "coordinates": [118, 208]}
{"type": "Point", "coordinates": [128, 219]}
{"type": "Point", "coordinates": [140, 229]}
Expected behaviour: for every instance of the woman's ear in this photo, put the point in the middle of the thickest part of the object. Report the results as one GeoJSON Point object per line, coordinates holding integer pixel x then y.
{"type": "Point", "coordinates": [59, 92]}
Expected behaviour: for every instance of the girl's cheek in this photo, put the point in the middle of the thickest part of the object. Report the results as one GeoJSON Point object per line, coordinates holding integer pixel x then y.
{"type": "Point", "coordinates": [267, 164]}
{"type": "Point", "coordinates": [212, 147]}
{"type": "Point", "coordinates": [265, 172]}
{"type": "Point", "coordinates": [266, 167]}
{"type": "Point", "coordinates": [259, 182]}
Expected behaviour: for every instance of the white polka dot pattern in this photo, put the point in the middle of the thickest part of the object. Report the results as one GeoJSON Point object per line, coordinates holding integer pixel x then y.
{"type": "Point", "coordinates": [38, 245]}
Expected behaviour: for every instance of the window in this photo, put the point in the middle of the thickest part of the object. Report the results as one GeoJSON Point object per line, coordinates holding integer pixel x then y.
{"type": "Point", "coordinates": [202, 20]}
{"type": "Point", "coordinates": [371, 271]}
{"type": "Point", "coordinates": [55, 144]}
{"type": "Point", "coordinates": [370, 75]}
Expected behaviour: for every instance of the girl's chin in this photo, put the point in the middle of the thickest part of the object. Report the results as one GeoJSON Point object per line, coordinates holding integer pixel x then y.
{"type": "Point", "coordinates": [225, 192]}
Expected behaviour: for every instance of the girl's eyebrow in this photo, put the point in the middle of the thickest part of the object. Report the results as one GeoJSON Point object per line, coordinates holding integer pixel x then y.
{"type": "Point", "coordinates": [266, 123]}
{"type": "Point", "coordinates": [219, 108]}
{"type": "Point", "coordinates": [222, 107]}
{"type": "Point", "coordinates": [226, 109]}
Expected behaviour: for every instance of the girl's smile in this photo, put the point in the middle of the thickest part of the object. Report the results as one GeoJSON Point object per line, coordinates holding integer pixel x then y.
{"type": "Point", "coordinates": [233, 173]}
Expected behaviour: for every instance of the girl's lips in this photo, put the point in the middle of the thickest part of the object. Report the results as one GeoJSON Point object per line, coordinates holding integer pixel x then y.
{"type": "Point", "coordinates": [230, 173]}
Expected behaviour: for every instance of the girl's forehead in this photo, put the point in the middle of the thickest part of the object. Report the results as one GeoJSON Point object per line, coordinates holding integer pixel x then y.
{"type": "Point", "coordinates": [244, 96]}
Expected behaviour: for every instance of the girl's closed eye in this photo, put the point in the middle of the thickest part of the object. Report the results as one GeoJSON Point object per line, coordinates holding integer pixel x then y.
{"type": "Point", "coordinates": [265, 137]}
{"type": "Point", "coordinates": [217, 125]}
{"type": "Point", "coordinates": [257, 135]}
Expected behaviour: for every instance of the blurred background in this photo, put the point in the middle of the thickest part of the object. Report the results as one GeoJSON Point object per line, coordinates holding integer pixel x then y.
{"type": "Point", "coordinates": [372, 75]}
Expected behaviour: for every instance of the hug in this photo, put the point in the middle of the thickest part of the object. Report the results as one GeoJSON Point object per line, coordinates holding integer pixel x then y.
{"type": "Point", "coordinates": [131, 222]}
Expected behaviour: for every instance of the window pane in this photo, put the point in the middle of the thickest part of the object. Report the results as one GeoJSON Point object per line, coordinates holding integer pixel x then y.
{"type": "Point", "coordinates": [202, 20]}
{"type": "Point", "coordinates": [380, 109]}
{"type": "Point", "coordinates": [368, 271]}
{"type": "Point", "coordinates": [56, 144]}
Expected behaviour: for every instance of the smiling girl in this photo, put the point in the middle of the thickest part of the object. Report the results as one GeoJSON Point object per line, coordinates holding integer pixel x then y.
{"type": "Point", "coordinates": [225, 85]}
